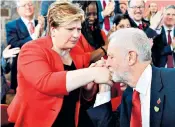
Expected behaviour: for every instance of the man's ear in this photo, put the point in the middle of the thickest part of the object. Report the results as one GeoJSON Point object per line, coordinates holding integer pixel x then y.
{"type": "Point", "coordinates": [17, 9]}
{"type": "Point", "coordinates": [132, 57]}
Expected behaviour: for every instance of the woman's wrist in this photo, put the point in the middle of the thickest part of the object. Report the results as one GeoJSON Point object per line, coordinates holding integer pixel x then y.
{"type": "Point", "coordinates": [104, 50]}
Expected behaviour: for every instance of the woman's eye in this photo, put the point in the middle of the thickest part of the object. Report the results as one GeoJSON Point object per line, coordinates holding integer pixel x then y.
{"type": "Point", "coordinates": [122, 26]}
{"type": "Point", "coordinates": [70, 29]}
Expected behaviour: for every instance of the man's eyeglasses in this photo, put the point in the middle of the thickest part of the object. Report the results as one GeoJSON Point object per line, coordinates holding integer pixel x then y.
{"type": "Point", "coordinates": [91, 13]}
{"type": "Point", "coordinates": [27, 4]}
{"type": "Point", "coordinates": [139, 7]}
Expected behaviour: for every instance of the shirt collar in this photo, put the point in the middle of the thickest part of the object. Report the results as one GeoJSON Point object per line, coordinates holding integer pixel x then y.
{"type": "Point", "coordinates": [166, 28]}
{"type": "Point", "coordinates": [137, 23]}
{"type": "Point", "coordinates": [26, 22]}
{"type": "Point", "coordinates": [144, 81]}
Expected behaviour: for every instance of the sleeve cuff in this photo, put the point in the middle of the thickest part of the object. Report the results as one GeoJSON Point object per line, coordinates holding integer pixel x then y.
{"type": "Point", "coordinates": [171, 48]}
{"type": "Point", "coordinates": [102, 15]}
{"type": "Point", "coordinates": [33, 36]}
{"type": "Point", "coordinates": [102, 98]}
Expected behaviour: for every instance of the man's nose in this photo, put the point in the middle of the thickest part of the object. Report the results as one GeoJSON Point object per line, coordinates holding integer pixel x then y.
{"type": "Point", "coordinates": [107, 62]}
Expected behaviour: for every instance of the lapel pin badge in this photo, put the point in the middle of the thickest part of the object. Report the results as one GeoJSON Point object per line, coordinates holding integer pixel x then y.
{"type": "Point", "coordinates": [156, 109]}
{"type": "Point", "coordinates": [158, 101]}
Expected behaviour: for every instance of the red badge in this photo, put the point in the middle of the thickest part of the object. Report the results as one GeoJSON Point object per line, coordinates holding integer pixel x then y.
{"type": "Point", "coordinates": [158, 101]}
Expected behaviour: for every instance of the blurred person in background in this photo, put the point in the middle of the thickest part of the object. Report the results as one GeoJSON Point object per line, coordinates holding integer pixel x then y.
{"type": "Point", "coordinates": [7, 53]}
{"type": "Point", "coordinates": [152, 10]}
{"type": "Point", "coordinates": [22, 30]}
{"type": "Point", "coordinates": [163, 50]}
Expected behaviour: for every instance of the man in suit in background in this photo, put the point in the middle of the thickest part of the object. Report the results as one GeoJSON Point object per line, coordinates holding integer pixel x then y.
{"type": "Point", "coordinates": [22, 30]}
{"type": "Point", "coordinates": [149, 99]}
{"type": "Point", "coordinates": [106, 13]}
{"type": "Point", "coordinates": [164, 44]}
{"type": "Point", "coordinates": [136, 9]}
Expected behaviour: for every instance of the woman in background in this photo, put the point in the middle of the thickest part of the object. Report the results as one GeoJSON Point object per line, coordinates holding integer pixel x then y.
{"type": "Point", "coordinates": [93, 39]}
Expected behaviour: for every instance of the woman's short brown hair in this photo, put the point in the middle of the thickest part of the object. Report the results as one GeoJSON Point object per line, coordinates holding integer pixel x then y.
{"type": "Point", "coordinates": [63, 13]}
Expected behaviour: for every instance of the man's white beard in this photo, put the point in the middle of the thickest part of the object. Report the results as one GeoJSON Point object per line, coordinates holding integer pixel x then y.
{"type": "Point", "coordinates": [120, 78]}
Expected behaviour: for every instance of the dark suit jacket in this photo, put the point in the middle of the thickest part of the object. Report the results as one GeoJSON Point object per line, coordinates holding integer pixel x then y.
{"type": "Point", "coordinates": [17, 35]}
{"type": "Point", "coordinates": [162, 86]}
{"type": "Point", "coordinates": [161, 49]}
{"type": "Point", "coordinates": [149, 32]}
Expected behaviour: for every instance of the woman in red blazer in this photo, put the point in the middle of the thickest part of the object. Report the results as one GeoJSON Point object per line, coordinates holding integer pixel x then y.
{"type": "Point", "coordinates": [48, 89]}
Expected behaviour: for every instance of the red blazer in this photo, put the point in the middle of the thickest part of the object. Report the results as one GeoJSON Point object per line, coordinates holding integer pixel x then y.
{"type": "Point", "coordinates": [41, 84]}
{"type": "Point", "coordinates": [85, 45]}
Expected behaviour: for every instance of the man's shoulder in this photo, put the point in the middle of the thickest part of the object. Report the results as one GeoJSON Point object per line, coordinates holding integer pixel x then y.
{"type": "Point", "coordinates": [168, 78]}
{"type": "Point", "coordinates": [168, 72]}
{"type": "Point", "coordinates": [12, 23]}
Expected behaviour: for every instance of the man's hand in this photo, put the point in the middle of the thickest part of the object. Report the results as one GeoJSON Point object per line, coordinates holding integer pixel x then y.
{"type": "Point", "coordinates": [40, 27]}
{"type": "Point", "coordinates": [100, 63]}
{"type": "Point", "coordinates": [156, 21]}
{"type": "Point", "coordinates": [109, 9]}
{"type": "Point", "coordinates": [41, 21]}
{"type": "Point", "coordinates": [7, 52]}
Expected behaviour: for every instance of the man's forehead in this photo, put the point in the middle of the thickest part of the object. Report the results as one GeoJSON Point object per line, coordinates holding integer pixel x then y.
{"type": "Point", "coordinates": [170, 10]}
{"type": "Point", "coordinates": [24, 1]}
{"type": "Point", "coordinates": [136, 2]}
{"type": "Point", "coordinates": [111, 50]}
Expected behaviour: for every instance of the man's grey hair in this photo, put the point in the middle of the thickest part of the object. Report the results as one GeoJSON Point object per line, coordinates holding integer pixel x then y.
{"type": "Point", "coordinates": [132, 39]}
{"type": "Point", "coordinates": [18, 3]}
{"type": "Point", "coordinates": [170, 7]}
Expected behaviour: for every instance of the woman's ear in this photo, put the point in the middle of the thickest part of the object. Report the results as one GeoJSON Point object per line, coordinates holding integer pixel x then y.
{"type": "Point", "coordinates": [52, 30]}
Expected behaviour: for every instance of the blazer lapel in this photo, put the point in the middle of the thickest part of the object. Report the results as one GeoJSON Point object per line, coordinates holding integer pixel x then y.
{"type": "Point", "coordinates": [157, 99]}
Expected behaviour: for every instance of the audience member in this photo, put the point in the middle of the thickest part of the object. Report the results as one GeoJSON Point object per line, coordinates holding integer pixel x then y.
{"type": "Point", "coordinates": [7, 53]}
{"type": "Point", "coordinates": [164, 44]}
{"type": "Point", "coordinates": [152, 10]}
{"type": "Point", "coordinates": [22, 30]}
{"type": "Point", "coordinates": [136, 10]}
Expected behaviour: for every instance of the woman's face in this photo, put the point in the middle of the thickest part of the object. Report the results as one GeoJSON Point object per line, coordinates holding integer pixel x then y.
{"type": "Point", "coordinates": [124, 23]}
{"type": "Point", "coordinates": [66, 37]}
{"type": "Point", "coordinates": [91, 13]}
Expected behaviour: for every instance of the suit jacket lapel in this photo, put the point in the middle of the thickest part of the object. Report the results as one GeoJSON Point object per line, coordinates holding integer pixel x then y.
{"type": "Point", "coordinates": [129, 101]}
{"type": "Point", "coordinates": [157, 99]}
{"type": "Point", "coordinates": [22, 28]}
{"type": "Point", "coordinates": [133, 24]}
{"type": "Point", "coordinates": [99, 6]}
{"type": "Point", "coordinates": [165, 41]}
{"type": "Point", "coordinates": [126, 107]}
{"type": "Point", "coordinates": [36, 22]}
